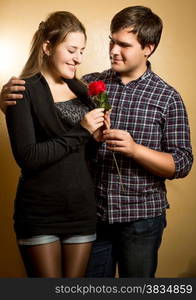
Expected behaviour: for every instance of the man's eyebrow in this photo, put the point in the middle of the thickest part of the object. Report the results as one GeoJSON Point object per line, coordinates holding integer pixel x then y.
{"type": "Point", "coordinates": [120, 43]}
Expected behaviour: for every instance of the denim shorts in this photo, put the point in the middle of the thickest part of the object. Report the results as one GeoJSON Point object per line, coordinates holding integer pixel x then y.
{"type": "Point", "coordinates": [45, 239]}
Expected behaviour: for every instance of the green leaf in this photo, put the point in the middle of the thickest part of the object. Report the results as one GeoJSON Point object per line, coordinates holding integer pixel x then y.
{"type": "Point", "coordinates": [102, 101]}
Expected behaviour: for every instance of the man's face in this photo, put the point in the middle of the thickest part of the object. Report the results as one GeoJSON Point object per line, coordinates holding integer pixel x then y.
{"type": "Point", "coordinates": [126, 54]}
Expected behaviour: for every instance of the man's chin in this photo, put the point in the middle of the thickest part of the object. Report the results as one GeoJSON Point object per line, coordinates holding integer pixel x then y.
{"type": "Point", "coordinates": [116, 68]}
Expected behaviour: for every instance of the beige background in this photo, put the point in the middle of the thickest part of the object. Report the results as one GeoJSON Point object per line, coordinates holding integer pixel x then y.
{"type": "Point", "coordinates": [174, 61]}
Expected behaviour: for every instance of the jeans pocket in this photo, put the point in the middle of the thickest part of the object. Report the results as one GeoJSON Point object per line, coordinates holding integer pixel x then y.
{"type": "Point", "coordinates": [150, 225]}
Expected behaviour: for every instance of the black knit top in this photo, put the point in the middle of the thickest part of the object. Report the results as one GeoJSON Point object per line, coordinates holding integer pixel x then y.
{"type": "Point", "coordinates": [55, 193]}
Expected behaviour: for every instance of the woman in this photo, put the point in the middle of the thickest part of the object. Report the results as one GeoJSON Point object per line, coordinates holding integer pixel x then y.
{"type": "Point", "coordinates": [54, 206]}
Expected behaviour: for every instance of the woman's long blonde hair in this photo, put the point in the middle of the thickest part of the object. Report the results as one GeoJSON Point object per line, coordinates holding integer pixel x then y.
{"type": "Point", "coordinates": [54, 30]}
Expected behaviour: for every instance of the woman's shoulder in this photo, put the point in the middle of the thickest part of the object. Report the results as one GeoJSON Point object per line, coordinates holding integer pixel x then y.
{"type": "Point", "coordinates": [33, 80]}
{"type": "Point", "coordinates": [35, 87]}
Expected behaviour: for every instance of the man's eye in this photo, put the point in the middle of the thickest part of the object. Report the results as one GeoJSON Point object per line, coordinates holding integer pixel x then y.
{"type": "Point", "coordinates": [71, 51]}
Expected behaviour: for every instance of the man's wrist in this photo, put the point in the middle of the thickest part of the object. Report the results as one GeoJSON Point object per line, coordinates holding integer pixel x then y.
{"type": "Point", "coordinates": [134, 150]}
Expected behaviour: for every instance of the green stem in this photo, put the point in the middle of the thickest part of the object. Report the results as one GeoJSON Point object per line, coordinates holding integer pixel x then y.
{"type": "Point", "coordinates": [120, 177]}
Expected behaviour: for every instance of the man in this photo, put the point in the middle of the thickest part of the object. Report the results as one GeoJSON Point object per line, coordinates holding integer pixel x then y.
{"type": "Point", "coordinates": [151, 140]}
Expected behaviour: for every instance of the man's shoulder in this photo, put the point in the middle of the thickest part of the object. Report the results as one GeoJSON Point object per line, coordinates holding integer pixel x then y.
{"type": "Point", "coordinates": [161, 84]}
{"type": "Point", "coordinates": [97, 76]}
{"type": "Point", "coordinates": [163, 91]}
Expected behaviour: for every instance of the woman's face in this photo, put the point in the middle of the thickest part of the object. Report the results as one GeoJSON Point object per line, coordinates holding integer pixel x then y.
{"type": "Point", "coordinates": [65, 58]}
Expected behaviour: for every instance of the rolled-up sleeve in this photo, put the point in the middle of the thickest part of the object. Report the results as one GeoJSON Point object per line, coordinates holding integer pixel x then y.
{"type": "Point", "coordinates": [176, 136]}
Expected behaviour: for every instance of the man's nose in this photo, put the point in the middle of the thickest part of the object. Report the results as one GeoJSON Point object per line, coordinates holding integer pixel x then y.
{"type": "Point", "coordinates": [114, 49]}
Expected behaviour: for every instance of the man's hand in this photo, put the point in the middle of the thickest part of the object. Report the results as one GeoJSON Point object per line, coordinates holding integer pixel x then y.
{"type": "Point", "coordinates": [7, 96]}
{"type": "Point", "coordinates": [120, 141]}
{"type": "Point", "coordinates": [158, 163]}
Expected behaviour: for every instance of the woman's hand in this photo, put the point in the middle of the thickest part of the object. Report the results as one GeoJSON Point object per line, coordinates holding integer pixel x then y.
{"type": "Point", "coordinates": [93, 120]}
{"type": "Point", "coordinates": [98, 134]}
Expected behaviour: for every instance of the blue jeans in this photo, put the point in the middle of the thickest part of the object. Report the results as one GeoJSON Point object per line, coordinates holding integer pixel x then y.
{"type": "Point", "coordinates": [133, 246]}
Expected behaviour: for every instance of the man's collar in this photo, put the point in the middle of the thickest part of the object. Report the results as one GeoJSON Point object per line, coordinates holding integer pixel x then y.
{"type": "Point", "coordinates": [139, 79]}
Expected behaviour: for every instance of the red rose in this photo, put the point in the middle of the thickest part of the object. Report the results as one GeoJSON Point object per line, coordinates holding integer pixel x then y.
{"type": "Point", "coordinates": [96, 87]}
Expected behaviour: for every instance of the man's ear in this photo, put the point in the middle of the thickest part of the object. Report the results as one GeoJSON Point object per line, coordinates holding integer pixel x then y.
{"type": "Point", "coordinates": [46, 48]}
{"type": "Point", "coordinates": [148, 50]}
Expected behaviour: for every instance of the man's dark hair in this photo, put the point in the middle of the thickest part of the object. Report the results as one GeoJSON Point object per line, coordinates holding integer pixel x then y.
{"type": "Point", "coordinates": [147, 25]}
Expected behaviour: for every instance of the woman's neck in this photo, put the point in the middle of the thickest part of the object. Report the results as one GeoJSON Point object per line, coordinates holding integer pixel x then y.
{"type": "Point", "coordinates": [59, 89]}
{"type": "Point", "coordinates": [51, 77]}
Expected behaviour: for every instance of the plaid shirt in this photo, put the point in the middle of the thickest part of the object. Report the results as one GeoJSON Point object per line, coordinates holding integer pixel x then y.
{"type": "Point", "coordinates": [154, 115]}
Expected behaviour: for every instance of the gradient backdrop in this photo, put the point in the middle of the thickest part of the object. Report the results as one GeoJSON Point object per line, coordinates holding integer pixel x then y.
{"type": "Point", "coordinates": [174, 61]}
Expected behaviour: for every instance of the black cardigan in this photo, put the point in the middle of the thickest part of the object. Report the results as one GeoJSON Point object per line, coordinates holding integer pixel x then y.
{"type": "Point", "coordinates": [55, 193]}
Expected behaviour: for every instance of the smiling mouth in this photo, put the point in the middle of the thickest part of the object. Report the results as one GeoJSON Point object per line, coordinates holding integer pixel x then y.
{"type": "Point", "coordinates": [71, 66]}
{"type": "Point", "coordinates": [113, 61]}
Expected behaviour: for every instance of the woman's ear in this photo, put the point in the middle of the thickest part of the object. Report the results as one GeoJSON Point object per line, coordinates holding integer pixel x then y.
{"type": "Point", "coordinates": [46, 48]}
